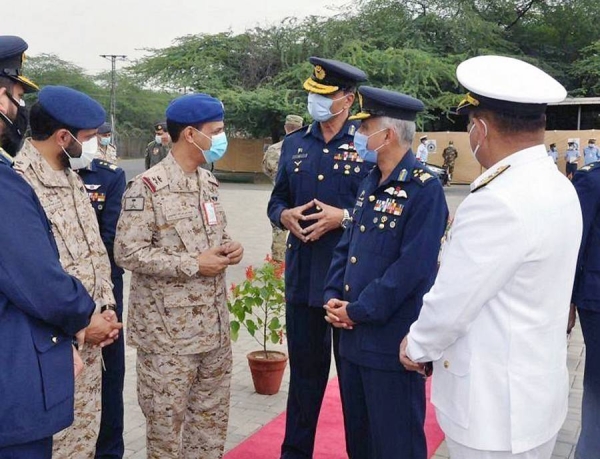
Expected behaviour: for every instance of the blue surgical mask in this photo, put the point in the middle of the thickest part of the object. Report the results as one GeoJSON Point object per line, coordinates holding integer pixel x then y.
{"type": "Point", "coordinates": [105, 141]}
{"type": "Point", "coordinates": [319, 107]}
{"type": "Point", "coordinates": [360, 143]}
{"type": "Point", "coordinates": [218, 147]}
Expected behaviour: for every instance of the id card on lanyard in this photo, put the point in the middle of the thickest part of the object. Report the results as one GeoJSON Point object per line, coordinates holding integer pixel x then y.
{"type": "Point", "coordinates": [210, 213]}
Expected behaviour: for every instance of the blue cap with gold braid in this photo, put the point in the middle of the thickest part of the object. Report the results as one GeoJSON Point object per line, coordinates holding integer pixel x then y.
{"type": "Point", "coordinates": [383, 102]}
{"type": "Point", "coordinates": [12, 55]}
{"type": "Point", "coordinates": [330, 76]}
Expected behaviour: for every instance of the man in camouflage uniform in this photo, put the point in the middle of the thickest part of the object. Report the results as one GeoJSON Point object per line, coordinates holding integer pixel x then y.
{"type": "Point", "coordinates": [158, 149]}
{"type": "Point", "coordinates": [270, 164]}
{"type": "Point", "coordinates": [172, 236]}
{"type": "Point", "coordinates": [106, 149]}
{"type": "Point", "coordinates": [450, 154]}
{"type": "Point", "coordinates": [63, 122]}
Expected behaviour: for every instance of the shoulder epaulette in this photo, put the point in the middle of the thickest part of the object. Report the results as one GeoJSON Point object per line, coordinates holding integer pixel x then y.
{"type": "Point", "coordinates": [155, 179]}
{"type": "Point", "coordinates": [422, 175]}
{"type": "Point", "coordinates": [303, 130]}
{"type": "Point", "coordinates": [590, 167]}
{"type": "Point", "coordinates": [107, 165]}
{"type": "Point", "coordinates": [211, 178]}
{"type": "Point", "coordinates": [150, 144]}
{"type": "Point", "coordinates": [21, 164]}
{"type": "Point", "coordinates": [491, 177]}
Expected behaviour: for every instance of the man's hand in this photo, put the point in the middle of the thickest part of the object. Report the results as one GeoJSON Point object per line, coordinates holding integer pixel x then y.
{"type": "Point", "coordinates": [290, 218]}
{"type": "Point", "coordinates": [329, 218]}
{"type": "Point", "coordinates": [103, 329]}
{"type": "Point", "coordinates": [572, 318]}
{"type": "Point", "coordinates": [408, 364]}
{"type": "Point", "coordinates": [77, 363]}
{"type": "Point", "coordinates": [337, 314]}
{"type": "Point", "coordinates": [213, 262]}
{"type": "Point", "coordinates": [234, 252]}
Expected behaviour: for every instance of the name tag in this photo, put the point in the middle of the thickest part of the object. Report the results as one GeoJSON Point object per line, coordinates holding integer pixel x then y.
{"type": "Point", "coordinates": [211, 213]}
{"type": "Point", "coordinates": [177, 213]}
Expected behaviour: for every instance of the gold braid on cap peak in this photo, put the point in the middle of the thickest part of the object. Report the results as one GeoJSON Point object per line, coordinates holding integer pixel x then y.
{"type": "Point", "coordinates": [468, 100]}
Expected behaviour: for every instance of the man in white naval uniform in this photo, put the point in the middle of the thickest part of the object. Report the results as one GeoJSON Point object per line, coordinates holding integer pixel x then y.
{"type": "Point", "coordinates": [494, 322]}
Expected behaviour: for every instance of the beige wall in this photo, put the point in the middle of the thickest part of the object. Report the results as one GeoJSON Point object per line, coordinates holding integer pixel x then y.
{"type": "Point", "coordinates": [245, 155]}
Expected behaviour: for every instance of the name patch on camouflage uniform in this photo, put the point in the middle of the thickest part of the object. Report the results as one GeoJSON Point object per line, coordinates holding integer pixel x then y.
{"type": "Point", "coordinates": [134, 204]}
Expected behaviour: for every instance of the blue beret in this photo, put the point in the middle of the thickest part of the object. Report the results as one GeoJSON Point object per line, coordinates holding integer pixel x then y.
{"type": "Point", "coordinates": [383, 102]}
{"type": "Point", "coordinates": [72, 108]}
{"type": "Point", "coordinates": [330, 76]}
{"type": "Point", "coordinates": [195, 109]}
{"type": "Point", "coordinates": [12, 52]}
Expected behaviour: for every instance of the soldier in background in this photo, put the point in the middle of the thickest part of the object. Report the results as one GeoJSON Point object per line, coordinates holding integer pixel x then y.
{"type": "Point", "coordinates": [270, 164]}
{"type": "Point", "coordinates": [159, 148]}
{"type": "Point", "coordinates": [106, 149]}
{"type": "Point", "coordinates": [553, 152]}
{"type": "Point", "coordinates": [450, 154]}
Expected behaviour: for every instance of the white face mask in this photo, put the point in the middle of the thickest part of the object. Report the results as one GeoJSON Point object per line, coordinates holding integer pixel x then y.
{"type": "Point", "coordinates": [158, 139]}
{"type": "Point", "coordinates": [474, 151]}
{"type": "Point", "coordinates": [89, 150]}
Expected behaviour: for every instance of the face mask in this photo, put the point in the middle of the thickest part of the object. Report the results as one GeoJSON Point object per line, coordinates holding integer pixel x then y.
{"type": "Point", "coordinates": [14, 135]}
{"type": "Point", "coordinates": [319, 107]}
{"type": "Point", "coordinates": [360, 143]}
{"type": "Point", "coordinates": [89, 149]}
{"type": "Point", "coordinates": [158, 139]}
{"type": "Point", "coordinates": [105, 141]}
{"type": "Point", "coordinates": [218, 147]}
{"type": "Point", "coordinates": [474, 151]}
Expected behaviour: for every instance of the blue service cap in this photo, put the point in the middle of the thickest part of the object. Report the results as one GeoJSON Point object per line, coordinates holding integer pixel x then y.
{"type": "Point", "coordinates": [383, 102]}
{"type": "Point", "coordinates": [12, 55]}
{"type": "Point", "coordinates": [330, 76]}
{"type": "Point", "coordinates": [105, 128]}
{"type": "Point", "coordinates": [195, 109]}
{"type": "Point", "coordinates": [72, 108]}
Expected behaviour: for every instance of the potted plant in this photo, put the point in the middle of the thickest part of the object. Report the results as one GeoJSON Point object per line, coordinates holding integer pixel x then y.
{"type": "Point", "coordinates": [258, 305]}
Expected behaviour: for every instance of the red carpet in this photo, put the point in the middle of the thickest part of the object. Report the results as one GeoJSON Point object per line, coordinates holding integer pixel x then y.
{"type": "Point", "coordinates": [330, 444]}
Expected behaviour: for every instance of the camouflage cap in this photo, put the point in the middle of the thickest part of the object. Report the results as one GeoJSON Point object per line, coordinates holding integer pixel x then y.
{"type": "Point", "coordinates": [294, 119]}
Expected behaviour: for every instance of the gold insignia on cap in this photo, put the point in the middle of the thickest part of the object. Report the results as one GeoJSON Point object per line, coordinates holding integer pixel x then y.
{"type": "Point", "coordinates": [320, 72]}
{"type": "Point", "coordinates": [468, 100]}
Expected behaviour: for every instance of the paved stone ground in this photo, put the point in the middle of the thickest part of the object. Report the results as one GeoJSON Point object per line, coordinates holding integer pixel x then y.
{"type": "Point", "coordinates": [245, 205]}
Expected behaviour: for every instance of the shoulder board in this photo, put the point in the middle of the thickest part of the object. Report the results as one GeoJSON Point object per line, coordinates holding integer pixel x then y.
{"type": "Point", "coordinates": [155, 179]}
{"type": "Point", "coordinates": [106, 165]}
{"type": "Point", "coordinates": [488, 179]}
{"type": "Point", "coordinates": [150, 144]}
{"type": "Point", "coordinates": [422, 175]}
{"type": "Point", "coordinates": [590, 167]}
{"type": "Point", "coordinates": [211, 178]}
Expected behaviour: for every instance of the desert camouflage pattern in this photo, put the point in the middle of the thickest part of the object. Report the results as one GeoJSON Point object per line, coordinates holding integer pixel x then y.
{"type": "Point", "coordinates": [185, 399]}
{"type": "Point", "coordinates": [108, 153]}
{"type": "Point", "coordinates": [83, 255]}
{"type": "Point", "coordinates": [270, 164]}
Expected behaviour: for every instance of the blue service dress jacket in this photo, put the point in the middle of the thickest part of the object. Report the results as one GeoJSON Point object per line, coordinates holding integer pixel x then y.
{"type": "Point", "coordinates": [586, 290]}
{"type": "Point", "coordinates": [309, 168]}
{"type": "Point", "coordinates": [387, 260]}
{"type": "Point", "coordinates": [41, 309]}
{"type": "Point", "coordinates": [105, 184]}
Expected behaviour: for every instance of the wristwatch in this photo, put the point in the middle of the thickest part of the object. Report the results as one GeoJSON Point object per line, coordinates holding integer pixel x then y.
{"type": "Point", "coordinates": [346, 220]}
{"type": "Point", "coordinates": [107, 307]}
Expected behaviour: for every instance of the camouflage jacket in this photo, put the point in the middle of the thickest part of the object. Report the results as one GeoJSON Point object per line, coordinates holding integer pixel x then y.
{"type": "Point", "coordinates": [271, 160]}
{"type": "Point", "coordinates": [155, 153]}
{"type": "Point", "coordinates": [165, 224]}
{"type": "Point", "coordinates": [68, 207]}
{"type": "Point", "coordinates": [108, 153]}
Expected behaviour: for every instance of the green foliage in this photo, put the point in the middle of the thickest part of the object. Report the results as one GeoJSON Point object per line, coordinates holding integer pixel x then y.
{"type": "Point", "coordinates": [258, 304]}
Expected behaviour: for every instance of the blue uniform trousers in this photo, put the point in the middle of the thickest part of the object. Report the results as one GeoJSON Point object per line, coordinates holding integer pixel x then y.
{"type": "Point", "coordinates": [384, 412]}
{"type": "Point", "coordinates": [39, 449]}
{"type": "Point", "coordinates": [571, 168]}
{"type": "Point", "coordinates": [110, 444]}
{"type": "Point", "coordinates": [588, 446]}
{"type": "Point", "coordinates": [309, 339]}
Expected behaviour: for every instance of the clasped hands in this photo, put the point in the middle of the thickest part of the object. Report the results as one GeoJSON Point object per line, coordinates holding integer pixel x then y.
{"type": "Point", "coordinates": [407, 363]}
{"type": "Point", "coordinates": [214, 261]}
{"type": "Point", "coordinates": [337, 315]}
{"type": "Point", "coordinates": [327, 219]}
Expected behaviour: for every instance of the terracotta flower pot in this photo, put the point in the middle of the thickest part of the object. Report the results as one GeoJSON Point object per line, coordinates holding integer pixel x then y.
{"type": "Point", "coordinates": [267, 371]}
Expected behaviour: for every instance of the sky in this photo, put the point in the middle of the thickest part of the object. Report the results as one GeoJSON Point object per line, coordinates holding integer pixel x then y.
{"type": "Point", "coordinates": [80, 30]}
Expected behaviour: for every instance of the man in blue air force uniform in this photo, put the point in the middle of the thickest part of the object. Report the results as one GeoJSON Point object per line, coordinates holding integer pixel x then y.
{"type": "Point", "coordinates": [41, 306]}
{"type": "Point", "coordinates": [317, 181]}
{"type": "Point", "coordinates": [384, 264]}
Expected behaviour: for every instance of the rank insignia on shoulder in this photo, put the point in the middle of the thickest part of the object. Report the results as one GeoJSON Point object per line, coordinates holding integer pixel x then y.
{"type": "Point", "coordinates": [491, 177]}
{"type": "Point", "coordinates": [136, 203]}
{"type": "Point", "coordinates": [402, 176]}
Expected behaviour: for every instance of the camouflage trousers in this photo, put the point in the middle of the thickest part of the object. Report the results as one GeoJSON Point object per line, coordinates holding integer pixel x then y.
{"type": "Point", "coordinates": [79, 440]}
{"type": "Point", "coordinates": [278, 246]}
{"type": "Point", "coordinates": [185, 399]}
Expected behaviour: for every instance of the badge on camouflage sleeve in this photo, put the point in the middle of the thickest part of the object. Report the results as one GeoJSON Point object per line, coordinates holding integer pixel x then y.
{"type": "Point", "coordinates": [136, 203]}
